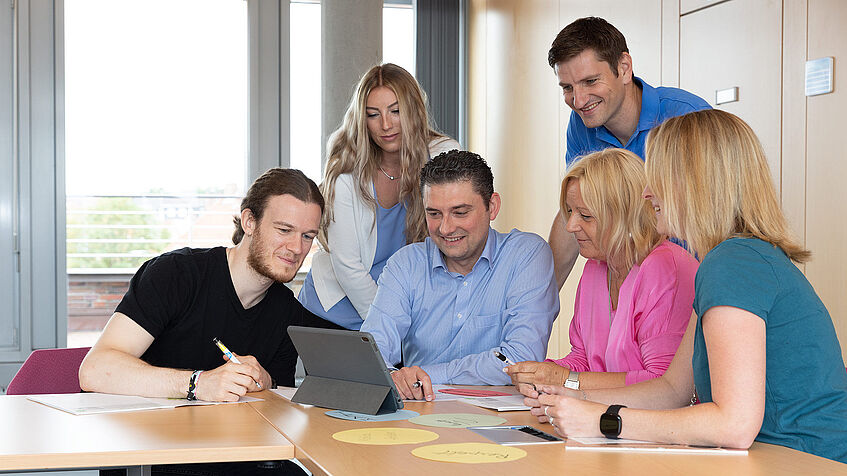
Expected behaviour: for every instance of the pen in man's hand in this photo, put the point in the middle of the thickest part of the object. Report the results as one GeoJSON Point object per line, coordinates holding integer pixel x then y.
{"type": "Point", "coordinates": [502, 357]}
{"type": "Point", "coordinates": [230, 355]}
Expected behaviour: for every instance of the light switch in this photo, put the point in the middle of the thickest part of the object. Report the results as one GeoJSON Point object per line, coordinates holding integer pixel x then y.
{"type": "Point", "coordinates": [724, 96]}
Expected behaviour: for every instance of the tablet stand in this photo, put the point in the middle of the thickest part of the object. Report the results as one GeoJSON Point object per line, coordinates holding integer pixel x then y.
{"type": "Point", "coordinates": [345, 395]}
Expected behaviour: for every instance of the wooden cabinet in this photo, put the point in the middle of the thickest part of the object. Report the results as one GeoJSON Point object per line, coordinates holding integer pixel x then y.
{"type": "Point", "coordinates": [761, 46]}
{"type": "Point", "coordinates": [736, 44]}
{"type": "Point", "coordinates": [826, 165]}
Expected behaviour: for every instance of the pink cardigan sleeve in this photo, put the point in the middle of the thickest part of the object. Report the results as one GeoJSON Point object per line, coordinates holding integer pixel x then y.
{"type": "Point", "coordinates": [662, 305]}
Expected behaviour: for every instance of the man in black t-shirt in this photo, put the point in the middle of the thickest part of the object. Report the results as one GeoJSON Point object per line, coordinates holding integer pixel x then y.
{"type": "Point", "coordinates": [158, 343]}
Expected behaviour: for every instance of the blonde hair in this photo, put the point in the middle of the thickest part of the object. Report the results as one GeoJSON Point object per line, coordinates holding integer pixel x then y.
{"type": "Point", "coordinates": [611, 183]}
{"type": "Point", "coordinates": [710, 172]}
{"type": "Point", "coordinates": [350, 148]}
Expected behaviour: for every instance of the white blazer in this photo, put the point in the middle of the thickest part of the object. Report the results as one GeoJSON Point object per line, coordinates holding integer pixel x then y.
{"type": "Point", "coordinates": [351, 236]}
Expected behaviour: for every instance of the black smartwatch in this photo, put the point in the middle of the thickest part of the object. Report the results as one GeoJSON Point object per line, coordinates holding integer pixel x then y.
{"type": "Point", "coordinates": [610, 422]}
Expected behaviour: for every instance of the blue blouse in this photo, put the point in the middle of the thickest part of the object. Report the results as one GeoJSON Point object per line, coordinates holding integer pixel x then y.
{"type": "Point", "coordinates": [390, 237]}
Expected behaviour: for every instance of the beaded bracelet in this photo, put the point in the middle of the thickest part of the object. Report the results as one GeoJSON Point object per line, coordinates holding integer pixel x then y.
{"type": "Point", "coordinates": [192, 385]}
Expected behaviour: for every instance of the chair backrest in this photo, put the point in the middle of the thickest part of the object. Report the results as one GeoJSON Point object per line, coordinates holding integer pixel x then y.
{"type": "Point", "coordinates": [49, 371]}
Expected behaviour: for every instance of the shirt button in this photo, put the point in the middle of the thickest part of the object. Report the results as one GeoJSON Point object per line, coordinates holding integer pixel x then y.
{"type": "Point", "coordinates": [465, 283]}
{"type": "Point", "coordinates": [459, 315]}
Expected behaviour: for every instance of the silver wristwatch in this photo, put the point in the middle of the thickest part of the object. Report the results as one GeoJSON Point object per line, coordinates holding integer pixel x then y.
{"type": "Point", "coordinates": [573, 380]}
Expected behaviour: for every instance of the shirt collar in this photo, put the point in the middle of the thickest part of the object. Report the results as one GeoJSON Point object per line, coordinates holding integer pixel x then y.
{"type": "Point", "coordinates": [649, 117]}
{"type": "Point", "coordinates": [487, 256]}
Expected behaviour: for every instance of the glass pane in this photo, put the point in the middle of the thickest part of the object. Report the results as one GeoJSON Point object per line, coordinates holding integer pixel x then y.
{"type": "Point", "coordinates": [398, 45]}
{"type": "Point", "coordinates": [156, 100]}
{"type": "Point", "coordinates": [398, 36]}
{"type": "Point", "coordinates": [9, 315]}
{"type": "Point", "coordinates": [306, 88]}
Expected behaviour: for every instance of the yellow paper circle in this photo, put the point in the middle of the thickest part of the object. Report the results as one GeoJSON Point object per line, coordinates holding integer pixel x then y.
{"type": "Point", "coordinates": [385, 436]}
{"type": "Point", "coordinates": [469, 453]}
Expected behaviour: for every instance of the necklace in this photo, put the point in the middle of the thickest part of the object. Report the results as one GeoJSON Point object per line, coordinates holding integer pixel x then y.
{"type": "Point", "coordinates": [390, 177]}
{"type": "Point", "coordinates": [609, 281]}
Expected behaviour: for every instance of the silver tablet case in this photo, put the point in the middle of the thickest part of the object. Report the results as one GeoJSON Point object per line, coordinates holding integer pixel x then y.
{"type": "Point", "coordinates": [344, 371]}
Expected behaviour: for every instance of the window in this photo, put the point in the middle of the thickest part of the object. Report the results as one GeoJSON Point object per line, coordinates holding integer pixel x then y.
{"type": "Point", "coordinates": [156, 127]}
{"type": "Point", "coordinates": [157, 131]}
{"type": "Point", "coordinates": [398, 35]}
{"type": "Point", "coordinates": [306, 88]}
{"type": "Point", "coordinates": [398, 46]}
{"type": "Point", "coordinates": [9, 260]}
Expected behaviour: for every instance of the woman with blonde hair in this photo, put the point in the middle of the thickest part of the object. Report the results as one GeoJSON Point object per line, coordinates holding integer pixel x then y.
{"type": "Point", "coordinates": [634, 298]}
{"type": "Point", "coordinates": [371, 186]}
{"type": "Point", "coordinates": [762, 355]}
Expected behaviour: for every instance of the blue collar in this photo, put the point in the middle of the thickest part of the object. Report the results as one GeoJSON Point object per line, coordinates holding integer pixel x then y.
{"type": "Point", "coordinates": [487, 256]}
{"type": "Point", "coordinates": [648, 118]}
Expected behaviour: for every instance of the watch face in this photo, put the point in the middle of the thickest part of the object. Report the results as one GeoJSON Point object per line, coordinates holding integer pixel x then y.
{"type": "Point", "coordinates": [610, 425]}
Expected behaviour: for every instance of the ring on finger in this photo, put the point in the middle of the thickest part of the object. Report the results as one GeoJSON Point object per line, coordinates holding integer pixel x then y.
{"type": "Point", "coordinates": [545, 411]}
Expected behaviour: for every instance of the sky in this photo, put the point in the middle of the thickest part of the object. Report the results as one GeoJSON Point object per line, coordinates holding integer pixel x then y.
{"type": "Point", "coordinates": [156, 93]}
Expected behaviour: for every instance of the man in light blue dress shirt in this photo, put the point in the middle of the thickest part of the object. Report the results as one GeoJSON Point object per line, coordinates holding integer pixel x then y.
{"type": "Point", "coordinates": [444, 306]}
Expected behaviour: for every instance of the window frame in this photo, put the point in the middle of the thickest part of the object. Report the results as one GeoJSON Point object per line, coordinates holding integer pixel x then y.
{"type": "Point", "coordinates": [37, 158]}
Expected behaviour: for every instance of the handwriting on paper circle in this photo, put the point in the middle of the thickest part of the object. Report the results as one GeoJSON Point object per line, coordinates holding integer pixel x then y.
{"type": "Point", "coordinates": [457, 420]}
{"type": "Point", "coordinates": [385, 436]}
{"type": "Point", "coordinates": [469, 453]}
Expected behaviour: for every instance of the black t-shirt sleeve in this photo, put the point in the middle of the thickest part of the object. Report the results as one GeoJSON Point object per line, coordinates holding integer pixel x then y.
{"type": "Point", "coordinates": [157, 293]}
{"type": "Point", "coordinates": [308, 319]}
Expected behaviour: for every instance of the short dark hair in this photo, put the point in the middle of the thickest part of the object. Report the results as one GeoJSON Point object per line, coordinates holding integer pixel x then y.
{"type": "Point", "coordinates": [459, 166]}
{"type": "Point", "coordinates": [589, 33]}
{"type": "Point", "coordinates": [274, 182]}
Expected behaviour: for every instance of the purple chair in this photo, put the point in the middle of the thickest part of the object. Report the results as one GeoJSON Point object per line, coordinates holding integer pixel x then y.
{"type": "Point", "coordinates": [49, 371]}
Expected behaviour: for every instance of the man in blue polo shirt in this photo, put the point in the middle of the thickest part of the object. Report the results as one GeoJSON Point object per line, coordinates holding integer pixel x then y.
{"type": "Point", "coordinates": [611, 106]}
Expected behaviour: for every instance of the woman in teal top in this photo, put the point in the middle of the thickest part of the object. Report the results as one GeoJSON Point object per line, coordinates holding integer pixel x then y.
{"type": "Point", "coordinates": [761, 354]}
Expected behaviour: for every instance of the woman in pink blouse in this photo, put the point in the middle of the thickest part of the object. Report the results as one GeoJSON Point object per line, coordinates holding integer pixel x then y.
{"type": "Point", "coordinates": [635, 295]}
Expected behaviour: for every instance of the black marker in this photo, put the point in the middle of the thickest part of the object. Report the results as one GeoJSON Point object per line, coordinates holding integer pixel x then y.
{"type": "Point", "coordinates": [502, 357]}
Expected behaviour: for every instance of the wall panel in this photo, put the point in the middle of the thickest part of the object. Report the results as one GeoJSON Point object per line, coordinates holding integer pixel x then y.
{"type": "Point", "coordinates": [746, 54]}
{"type": "Point", "coordinates": [826, 165]}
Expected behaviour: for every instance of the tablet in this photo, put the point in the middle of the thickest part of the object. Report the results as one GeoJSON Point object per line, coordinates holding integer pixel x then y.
{"type": "Point", "coordinates": [344, 371]}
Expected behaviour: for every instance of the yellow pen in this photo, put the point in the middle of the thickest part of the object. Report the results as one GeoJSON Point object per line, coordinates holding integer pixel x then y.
{"type": "Point", "coordinates": [230, 355]}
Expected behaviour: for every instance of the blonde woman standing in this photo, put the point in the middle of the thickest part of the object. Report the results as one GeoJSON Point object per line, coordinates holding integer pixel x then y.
{"type": "Point", "coordinates": [371, 186]}
{"type": "Point", "coordinates": [762, 354]}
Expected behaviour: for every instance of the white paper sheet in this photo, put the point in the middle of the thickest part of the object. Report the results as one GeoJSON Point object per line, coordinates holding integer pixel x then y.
{"type": "Point", "coordinates": [501, 404]}
{"type": "Point", "coordinates": [607, 444]}
{"type": "Point", "coordinates": [89, 403]}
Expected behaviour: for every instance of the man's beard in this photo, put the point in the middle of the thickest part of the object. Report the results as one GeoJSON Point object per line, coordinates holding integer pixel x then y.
{"type": "Point", "coordinates": [254, 258]}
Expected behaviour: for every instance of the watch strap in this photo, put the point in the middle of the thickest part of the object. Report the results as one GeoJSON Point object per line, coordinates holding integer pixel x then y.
{"type": "Point", "coordinates": [610, 422]}
{"type": "Point", "coordinates": [573, 380]}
